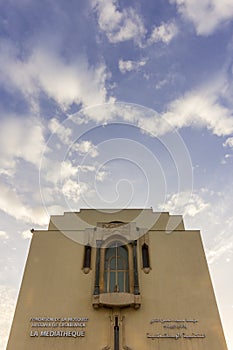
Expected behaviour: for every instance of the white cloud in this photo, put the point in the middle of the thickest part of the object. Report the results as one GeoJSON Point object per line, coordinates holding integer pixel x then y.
{"type": "Point", "coordinates": [226, 158]}
{"type": "Point", "coordinates": [20, 138]}
{"type": "Point", "coordinates": [67, 170]}
{"type": "Point", "coordinates": [86, 168]}
{"type": "Point", "coordinates": [219, 250]}
{"type": "Point", "coordinates": [206, 15]}
{"type": "Point", "coordinates": [73, 190]}
{"type": "Point", "coordinates": [27, 234]}
{"type": "Point", "coordinates": [221, 244]}
{"type": "Point", "coordinates": [127, 24]}
{"type": "Point", "coordinates": [163, 33]}
{"type": "Point", "coordinates": [43, 70]}
{"type": "Point", "coordinates": [12, 204]}
{"type": "Point", "coordinates": [217, 209]}
{"type": "Point", "coordinates": [101, 175]}
{"type": "Point", "coordinates": [112, 112]}
{"type": "Point", "coordinates": [145, 119]}
{"type": "Point", "coordinates": [128, 66]}
{"type": "Point", "coordinates": [4, 235]}
{"type": "Point", "coordinates": [228, 142]}
{"type": "Point", "coordinates": [84, 147]}
{"type": "Point", "coordinates": [60, 130]}
{"type": "Point", "coordinates": [57, 172]}
{"type": "Point", "coordinates": [7, 305]}
{"type": "Point", "coordinates": [207, 210]}
{"type": "Point", "coordinates": [202, 109]}
{"type": "Point", "coordinates": [119, 25]}
{"type": "Point", "coordinates": [161, 83]}
{"type": "Point", "coordinates": [10, 165]}
{"type": "Point", "coordinates": [183, 203]}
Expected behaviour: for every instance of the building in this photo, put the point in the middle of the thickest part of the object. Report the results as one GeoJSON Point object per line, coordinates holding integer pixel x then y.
{"type": "Point", "coordinates": [123, 279]}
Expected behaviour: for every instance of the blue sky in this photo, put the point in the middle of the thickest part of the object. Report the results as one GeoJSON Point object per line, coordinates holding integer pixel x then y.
{"type": "Point", "coordinates": [109, 103]}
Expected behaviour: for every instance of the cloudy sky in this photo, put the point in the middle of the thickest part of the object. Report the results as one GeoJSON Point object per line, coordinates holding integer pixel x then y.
{"type": "Point", "coordinates": [107, 103]}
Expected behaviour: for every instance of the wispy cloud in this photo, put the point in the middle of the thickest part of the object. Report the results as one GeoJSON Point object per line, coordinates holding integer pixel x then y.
{"type": "Point", "coordinates": [56, 171]}
{"type": "Point", "coordinates": [4, 235]}
{"type": "Point", "coordinates": [7, 303]}
{"type": "Point", "coordinates": [12, 204]}
{"type": "Point", "coordinates": [46, 71]}
{"type": "Point", "coordinates": [101, 175]}
{"type": "Point", "coordinates": [206, 15]}
{"type": "Point", "coordinates": [222, 244]}
{"type": "Point", "coordinates": [85, 147]}
{"type": "Point", "coordinates": [130, 65]}
{"type": "Point", "coordinates": [57, 128]}
{"type": "Point", "coordinates": [228, 142]}
{"type": "Point", "coordinates": [127, 24]}
{"type": "Point", "coordinates": [202, 108]}
{"type": "Point", "coordinates": [119, 25]}
{"type": "Point", "coordinates": [20, 138]}
{"type": "Point", "coordinates": [27, 234]}
{"type": "Point", "coordinates": [165, 32]}
{"type": "Point", "coordinates": [64, 134]}
{"type": "Point", "coordinates": [186, 204]}
{"type": "Point", "coordinates": [206, 210]}
{"type": "Point", "coordinates": [72, 190]}
{"type": "Point", "coordinates": [222, 248]}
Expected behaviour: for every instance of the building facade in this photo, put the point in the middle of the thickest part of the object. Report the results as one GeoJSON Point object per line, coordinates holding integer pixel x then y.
{"type": "Point", "coordinates": [128, 279]}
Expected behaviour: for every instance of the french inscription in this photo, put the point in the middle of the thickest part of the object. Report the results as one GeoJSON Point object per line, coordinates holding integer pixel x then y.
{"type": "Point", "coordinates": [73, 334]}
{"type": "Point", "coordinates": [58, 327]}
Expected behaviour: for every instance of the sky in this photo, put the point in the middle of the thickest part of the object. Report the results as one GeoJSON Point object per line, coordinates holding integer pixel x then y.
{"type": "Point", "coordinates": [110, 104]}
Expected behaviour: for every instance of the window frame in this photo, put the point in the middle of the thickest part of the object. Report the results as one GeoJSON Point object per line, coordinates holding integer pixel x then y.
{"type": "Point", "coordinates": [116, 253]}
{"type": "Point", "coordinates": [107, 243]}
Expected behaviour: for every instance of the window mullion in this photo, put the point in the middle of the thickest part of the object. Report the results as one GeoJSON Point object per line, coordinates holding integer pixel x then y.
{"type": "Point", "coordinates": [116, 269]}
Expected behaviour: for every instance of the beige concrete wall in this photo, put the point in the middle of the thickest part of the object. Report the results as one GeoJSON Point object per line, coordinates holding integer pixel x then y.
{"type": "Point", "coordinates": [177, 287]}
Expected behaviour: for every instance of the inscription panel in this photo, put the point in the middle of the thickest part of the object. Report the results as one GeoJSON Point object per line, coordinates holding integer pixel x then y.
{"type": "Point", "coordinates": [175, 329]}
{"type": "Point", "coordinates": [57, 327]}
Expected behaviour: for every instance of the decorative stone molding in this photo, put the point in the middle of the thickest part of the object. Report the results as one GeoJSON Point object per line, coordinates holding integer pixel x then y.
{"type": "Point", "coordinates": [120, 300]}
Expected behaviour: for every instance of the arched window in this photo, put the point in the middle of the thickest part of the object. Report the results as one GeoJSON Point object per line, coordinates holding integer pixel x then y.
{"type": "Point", "coordinates": [116, 268]}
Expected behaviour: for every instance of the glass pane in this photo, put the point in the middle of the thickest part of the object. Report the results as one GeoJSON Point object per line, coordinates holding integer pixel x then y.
{"type": "Point", "coordinates": [105, 281]}
{"type": "Point", "coordinates": [123, 252]}
{"type": "Point", "coordinates": [121, 286]}
{"type": "Point", "coordinates": [116, 269]}
{"type": "Point", "coordinates": [108, 254]}
{"type": "Point", "coordinates": [112, 263]}
{"type": "Point", "coordinates": [112, 282]}
{"type": "Point", "coordinates": [120, 263]}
